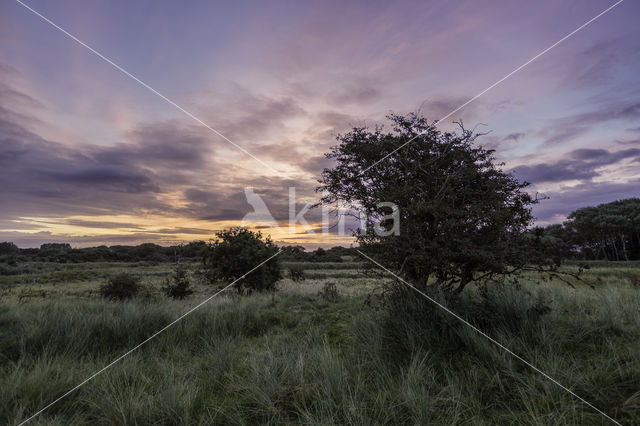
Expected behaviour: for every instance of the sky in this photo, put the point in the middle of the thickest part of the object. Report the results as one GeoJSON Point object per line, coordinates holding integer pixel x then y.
{"type": "Point", "coordinates": [90, 156]}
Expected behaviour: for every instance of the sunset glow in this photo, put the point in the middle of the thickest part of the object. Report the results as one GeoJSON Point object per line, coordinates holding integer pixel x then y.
{"type": "Point", "coordinates": [90, 156]}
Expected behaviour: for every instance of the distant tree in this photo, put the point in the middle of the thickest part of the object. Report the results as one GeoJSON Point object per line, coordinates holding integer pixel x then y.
{"type": "Point", "coordinates": [148, 251]}
{"type": "Point", "coordinates": [8, 248]}
{"type": "Point", "coordinates": [237, 250]}
{"type": "Point", "coordinates": [609, 231]}
{"type": "Point", "coordinates": [121, 287]}
{"type": "Point", "coordinates": [322, 255]}
{"type": "Point", "coordinates": [553, 243]}
{"type": "Point", "coordinates": [293, 253]}
{"type": "Point", "coordinates": [462, 219]}
{"type": "Point", "coordinates": [178, 285]}
{"type": "Point", "coordinates": [55, 252]}
{"type": "Point", "coordinates": [194, 249]}
{"type": "Point", "coordinates": [55, 246]}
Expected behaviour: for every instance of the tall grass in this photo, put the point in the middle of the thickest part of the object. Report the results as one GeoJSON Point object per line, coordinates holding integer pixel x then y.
{"type": "Point", "coordinates": [292, 357]}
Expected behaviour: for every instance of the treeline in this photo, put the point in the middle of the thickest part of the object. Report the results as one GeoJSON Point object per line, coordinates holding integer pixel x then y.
{"type": "Point", "coordinates": [63, 253]}
{"type": "Point", "coordinates": [334, 254]}
{"type": "Point", "coordinates": [148, 252]}
{"type": "Point", "coordinates": [608, 231]}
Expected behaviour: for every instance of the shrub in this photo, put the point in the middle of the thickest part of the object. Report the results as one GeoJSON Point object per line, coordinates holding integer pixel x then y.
{"type": "Point", "coordinates": [120, 287]}
{"type": "Point", "coordinates": [178, 285]}
{"type": "Point", "coordinates": [235, 252]}
{"type": "Point", "coordinates": [329, 292]}
{"type": "Point", "coordinates": [296, 273]}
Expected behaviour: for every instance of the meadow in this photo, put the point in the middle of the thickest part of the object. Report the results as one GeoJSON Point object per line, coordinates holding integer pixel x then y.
{"type": "Point", "coordinates": [317, 351]}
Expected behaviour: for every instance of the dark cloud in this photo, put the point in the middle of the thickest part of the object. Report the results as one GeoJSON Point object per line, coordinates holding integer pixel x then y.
{"type": "Point", "coordinates": [580, 164]}
{"type": "Point", "coordinates": [165, 145]}
{"type": "Point", "coordinates": [216, 204]}
{"type": "Point", "coordinates": [33, 167]}
{"type": "Point", "coordinates": [181, 230]}
{"type": "Point", "coordinates": [41, 177]}
{"type": "Point", "coordinates": [252, 118]}
{"type": "Point", "coordinates": [104, 178]}
{"type": "Point", "coordinates": [98, 224]}
{"type": "Point", "coordinates": [570, 127]}
{"type": "Point", "coordinates": [513, 137]}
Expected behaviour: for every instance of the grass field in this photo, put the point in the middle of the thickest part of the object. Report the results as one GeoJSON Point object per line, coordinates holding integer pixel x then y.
{"type": "Point", "coordinates": [297, 356]}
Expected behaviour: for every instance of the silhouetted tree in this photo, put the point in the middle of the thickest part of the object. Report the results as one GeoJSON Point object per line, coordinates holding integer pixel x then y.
{"type": "Point", "coordinates": [462, 218]}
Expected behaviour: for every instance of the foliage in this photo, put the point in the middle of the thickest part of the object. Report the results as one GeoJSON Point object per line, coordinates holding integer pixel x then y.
{"type": "Point", "coordinates": [298, 254]}
{"type": "Point", "coordinates": [178, 285]}
{"type": "Point", "coordinates": [462, 219]}
{"type": "Point", "coordinates": [293, 253]}
{"type": "Point", "coordinates": [237, 250]}
{"type": "Point", "coordinates": [123, 286]}
{"type": "Point", "coordinates": [296, 272]}
{"type": "Point", "coordinates": [608, 231]}
{"type": "Point", "coordinates": [322, 255]}
{"type": "Point", "coordinates": [64, 253]}
{"type": "Point", "coordinates": [8, 248]}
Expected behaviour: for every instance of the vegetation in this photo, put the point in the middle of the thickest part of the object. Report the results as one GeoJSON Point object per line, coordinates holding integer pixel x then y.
{"type": "Point", "coordinates": [293, 357]}
{"type": "Point", "coordinates": [178, 285]}
{"type": "Point", "coordinates": [460, 218]}
{"type": "Point", "coordinates": [121, 287]}
{"type": "Point", "coordinates": [609, 231]}
{"type": "Point", "coordinates": [296, 272]}
{"type": "Point", "coordinates": [64, 253]}
{"type": "Point", "coordinates": [235, 252]}
{"type": "Point", "coordinates": [310, 353]}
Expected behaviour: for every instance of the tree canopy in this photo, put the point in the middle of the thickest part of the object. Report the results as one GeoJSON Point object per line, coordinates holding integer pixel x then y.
{"type": "Point", "coordinates": [236, 251]}
{"type": "Point", "coordinates": [609, 231]}
{"type": "Point", "coordinates": [461, 217]}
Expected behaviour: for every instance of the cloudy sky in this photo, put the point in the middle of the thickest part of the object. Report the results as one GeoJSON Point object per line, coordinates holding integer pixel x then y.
{"type": "Point", "coordinates": [90, 156]}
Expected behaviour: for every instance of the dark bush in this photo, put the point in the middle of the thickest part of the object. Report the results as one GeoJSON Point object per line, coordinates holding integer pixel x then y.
{"type": "Point", "coordinates": [8, 248]}
{"type": "Point", "coordinates": [296, 273]}
{"type": "Point", "coordinates": [235, 252]}
{"type": "Point", "coordinates": [178, 285]}
{"type": "Point", "coordinates": [120, 287]}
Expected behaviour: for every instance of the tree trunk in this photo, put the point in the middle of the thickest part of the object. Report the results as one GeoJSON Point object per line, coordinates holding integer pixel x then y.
{"type": "Point", "coordinates": [467, 277]}
{"type": "Point", "coordinates": [624, 248]}
{"type": "Point", "coordinates": [615, 248]}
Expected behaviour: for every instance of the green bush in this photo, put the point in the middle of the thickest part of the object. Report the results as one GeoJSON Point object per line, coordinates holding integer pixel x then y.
{"type": "Point", "coordinates": [178, 285]}
{"type": "Point", "coordinates": [235, 252]}
{"type": "Point", "coordinates": [120, 287]}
